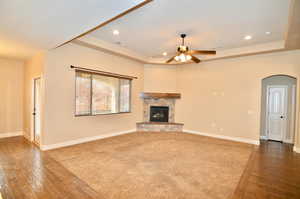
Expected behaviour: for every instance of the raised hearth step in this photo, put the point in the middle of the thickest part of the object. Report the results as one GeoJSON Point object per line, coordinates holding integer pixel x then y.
{"type": "Point", "coordinates": [160, 123]}
{"type": "Point", "coordinates": [159, 126]}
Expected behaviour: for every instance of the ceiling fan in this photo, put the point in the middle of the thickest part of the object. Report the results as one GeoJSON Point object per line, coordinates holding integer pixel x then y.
{"type": "Point", "coordinates": [184, 54]}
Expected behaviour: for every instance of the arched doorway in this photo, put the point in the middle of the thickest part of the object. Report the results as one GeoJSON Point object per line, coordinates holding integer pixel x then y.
{"type": "Point", "coordinates": [278, 108]}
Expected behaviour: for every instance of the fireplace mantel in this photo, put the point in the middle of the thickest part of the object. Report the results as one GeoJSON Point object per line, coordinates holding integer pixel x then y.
{"type": "Point", "coordinates": [160, 95]}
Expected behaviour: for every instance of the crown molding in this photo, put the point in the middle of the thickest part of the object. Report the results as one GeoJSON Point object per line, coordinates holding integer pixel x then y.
{"type": "Point", "coordinates": [95, 43]}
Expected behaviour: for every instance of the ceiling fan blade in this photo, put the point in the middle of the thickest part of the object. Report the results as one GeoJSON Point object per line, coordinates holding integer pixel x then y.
{"type": "Point", "coordinates": [171, 59]}
{"type": "Point", "coordinates": [202, 52]}
{"type": "Point", "coordinates": [195, 59]}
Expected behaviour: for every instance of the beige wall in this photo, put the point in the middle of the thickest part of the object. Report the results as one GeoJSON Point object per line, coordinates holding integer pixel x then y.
{"type": "Point", "coordinates": [60, 124]}
{"type": "Point", "coordinates": [160, 78]}
{"type": "Point", "coordinates": [11, 95]}
{"type": "Point", "coordinates": [33, 69]}
{"type": "Point", "coordinates": [224, 97]}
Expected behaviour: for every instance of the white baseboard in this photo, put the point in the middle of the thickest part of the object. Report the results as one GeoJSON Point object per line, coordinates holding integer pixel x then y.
{"type": "Point", "coordinates": [236, 139]}
{"type": "Point", "coordinates": [26, 136]}
{"type": "Point", "coordinates": [83, 140]}
{"type": "Point", "coordinates": [288, 141]}
{"type": "Point", "coordinates": [296, 149]}
{"type": "Point", "coordinates": [263, 137]}
{"type": "Point", "coordinates": [11, 134]}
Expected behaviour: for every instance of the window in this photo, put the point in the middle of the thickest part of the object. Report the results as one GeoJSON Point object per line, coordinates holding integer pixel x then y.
{"type": "Point", "coordinates": [83, 93]}
{"type": "Point", "coordinates": [99, 94]}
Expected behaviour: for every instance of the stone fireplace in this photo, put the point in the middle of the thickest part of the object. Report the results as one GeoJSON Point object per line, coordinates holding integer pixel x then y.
{"type": "Point", "coordinates": [159, 112]}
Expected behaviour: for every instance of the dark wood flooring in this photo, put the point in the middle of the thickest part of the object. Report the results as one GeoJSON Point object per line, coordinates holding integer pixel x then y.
{"type": "Point", "coordinates": [273, 172]}
{"type": "Point", "coordinates": [26, 172]}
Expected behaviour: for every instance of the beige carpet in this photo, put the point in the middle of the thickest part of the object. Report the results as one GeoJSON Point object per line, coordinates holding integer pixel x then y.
{"type": "Point", "coordinates": [158, 165]}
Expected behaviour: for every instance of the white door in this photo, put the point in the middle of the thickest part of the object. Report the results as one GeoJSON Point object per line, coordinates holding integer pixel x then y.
{"type": "Point", "coordinates": [277, 111]}
{"type": "Point", "coordinates": [37, 111]}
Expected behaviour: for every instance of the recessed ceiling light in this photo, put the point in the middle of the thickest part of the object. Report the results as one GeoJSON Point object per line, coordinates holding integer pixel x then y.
{"type": "Point", "coordinates": [165, 54]}
{"type": "Point", "coordinates": [116, 32]}
{"type": "Point", "coordinates": [248, 37]}
{"type": "Point", "coordinates": [268, 33]}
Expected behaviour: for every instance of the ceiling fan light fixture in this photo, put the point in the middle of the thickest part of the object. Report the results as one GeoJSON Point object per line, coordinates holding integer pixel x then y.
{"type": "Point", "coordinates": [182, 57]}
{"type": "Point", "coordinates": [116, 32]}
{"type": "Point", "coordinates": [248, 37]}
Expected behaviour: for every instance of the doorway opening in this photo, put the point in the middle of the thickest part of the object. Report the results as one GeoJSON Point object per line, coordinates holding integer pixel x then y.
{"type": "Point", "coordinates": [278, 108]}
{"type": "Point", "coordinates": [36, 111]}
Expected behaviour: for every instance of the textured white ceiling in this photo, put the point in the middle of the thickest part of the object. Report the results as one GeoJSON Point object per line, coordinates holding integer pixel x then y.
{"type": "Point", "coordinates": [209, 24]}
{"type": "Point", "coordinates": [30, 25]}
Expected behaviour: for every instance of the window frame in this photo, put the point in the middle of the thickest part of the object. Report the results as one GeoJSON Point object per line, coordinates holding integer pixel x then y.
{"type": "Point", "coordinates": [91, 94]}
{"type": "Point", "coordinates": [130, 89]}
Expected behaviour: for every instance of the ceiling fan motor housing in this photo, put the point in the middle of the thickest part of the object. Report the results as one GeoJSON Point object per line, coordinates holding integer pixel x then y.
{"type": "Point", "coordinates": [182, 49]}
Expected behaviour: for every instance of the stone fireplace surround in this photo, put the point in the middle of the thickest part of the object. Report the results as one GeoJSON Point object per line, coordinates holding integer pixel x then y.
{"type": "Point", "coordinates": [159, 99]}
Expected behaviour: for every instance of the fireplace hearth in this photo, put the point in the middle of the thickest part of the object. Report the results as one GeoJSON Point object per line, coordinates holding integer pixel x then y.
{"type": "Point", "coordinates": [159, 114]}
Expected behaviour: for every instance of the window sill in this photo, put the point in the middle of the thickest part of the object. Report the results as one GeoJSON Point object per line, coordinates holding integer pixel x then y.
{"type": "Point", "coordinates": [103, 114]}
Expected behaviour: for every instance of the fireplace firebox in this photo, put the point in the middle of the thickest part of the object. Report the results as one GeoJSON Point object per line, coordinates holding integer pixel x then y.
{"type": "Point", "coordinates": [159, 114]}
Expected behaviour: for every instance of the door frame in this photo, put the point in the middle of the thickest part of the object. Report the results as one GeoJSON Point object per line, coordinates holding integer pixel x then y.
{"type": "Point", "coordinates": [293, 115]}
{"type": "Point", "coordinates": [267, 123]}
